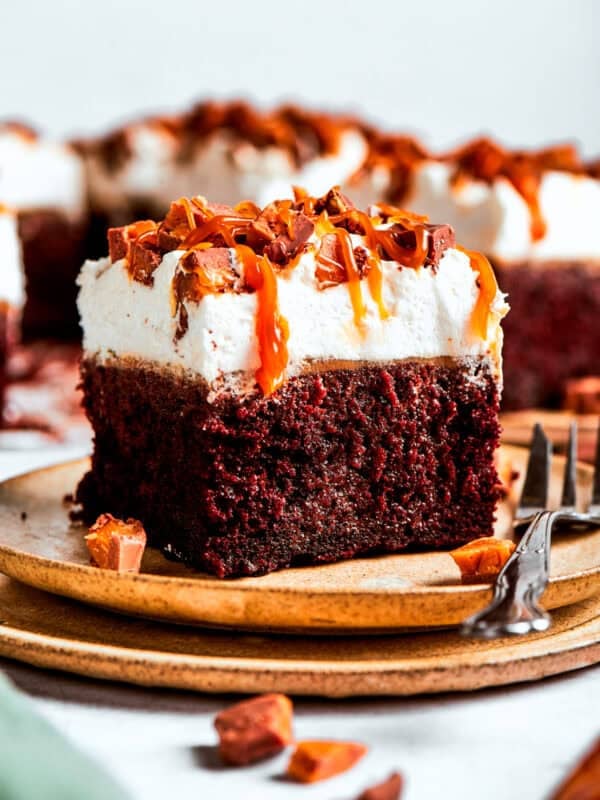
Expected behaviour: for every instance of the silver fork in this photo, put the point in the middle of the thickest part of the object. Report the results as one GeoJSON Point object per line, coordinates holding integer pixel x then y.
{"type": "Point", "coordinates": [514, 608]}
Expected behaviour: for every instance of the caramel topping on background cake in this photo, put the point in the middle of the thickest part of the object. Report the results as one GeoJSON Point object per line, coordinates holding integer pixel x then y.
{"type": "Point", "coordinates": [19, 128]}
{"type": "Point", "coordinates": [480, 159]}
{"type": "Point", "coordinates": [302, 133]}
{"type": "Point", "coordinates": [485, 160]}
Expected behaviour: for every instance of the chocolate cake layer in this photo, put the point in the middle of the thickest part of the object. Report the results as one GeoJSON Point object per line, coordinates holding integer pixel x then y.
{"type": "Point", "coordinates": [553, 331]}
{"type": "Point", "coordinates": [335, 464]}
{"type": "Point", "coordinates": [54, 247]}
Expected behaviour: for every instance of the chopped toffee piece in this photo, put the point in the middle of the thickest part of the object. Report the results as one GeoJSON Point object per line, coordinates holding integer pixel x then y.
{"type": "Point", "coordinates": [480, 561]}
{"type": "Point", "coordinates": [254, 729]}
{"type": "Point", "coordinates": [390, 789]}
{"type": "Point", "coordinates": [314, 761]}
{"type": "Point", "coordinates": [584, 782]}
{"type": "Point", "coordinates": [116, 544]}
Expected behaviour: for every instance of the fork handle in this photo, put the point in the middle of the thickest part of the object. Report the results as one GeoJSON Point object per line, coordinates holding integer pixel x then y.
{"type": "Point", "coordinates": [514, 608]}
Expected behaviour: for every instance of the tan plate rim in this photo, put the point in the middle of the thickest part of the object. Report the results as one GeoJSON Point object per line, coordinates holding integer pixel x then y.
{"type": "Point", "coordinates": [80, 582]}
{"type": "Point", "coordinates": [518, 660]}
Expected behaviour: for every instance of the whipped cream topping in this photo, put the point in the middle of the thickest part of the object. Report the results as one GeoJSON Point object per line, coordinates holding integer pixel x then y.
{"type": "Point", "coordinates": [224, 167]}
{"type": "Point", "coordinates": [493, 217]}
{"type": "Point", "coordinates": [39, 174]}
{"type": "Point", "coordinates": [430, 315]}
{"type": "Point", "coordinates": [11, 273]}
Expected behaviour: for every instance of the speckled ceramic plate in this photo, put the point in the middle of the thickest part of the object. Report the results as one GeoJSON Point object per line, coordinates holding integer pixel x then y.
{"type": "Point", "coordinates": [40, 547]}
{"type": "Point", "coordinates": [56, 633]}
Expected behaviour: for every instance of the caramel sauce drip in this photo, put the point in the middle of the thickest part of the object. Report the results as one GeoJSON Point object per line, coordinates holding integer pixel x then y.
{"type": "Point", "coordinates": [272, 329]}
{"type": "Point", "coordinates": [375, 281]}
{"type": "Point", "coordinates": [485, 160]}
{"type": "Point", "coordinates": [481, 159]}
{"type": "Point", "coordinates": [352, 275]}
{"type": "Point", "coordinates": [412, 256]}
{"type": "Point", "coordinates": [488, 288]}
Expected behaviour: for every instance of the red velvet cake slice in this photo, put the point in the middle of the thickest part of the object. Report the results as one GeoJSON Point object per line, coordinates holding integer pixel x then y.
{"type": "Point", "coordinates": [294, 385]}
{"type": "Point", "coordinates": [535, 216]}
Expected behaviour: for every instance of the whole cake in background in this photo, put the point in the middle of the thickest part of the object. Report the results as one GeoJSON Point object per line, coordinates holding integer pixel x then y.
{"type": "Point", "coordinates": [535, 215]}
{"type": "Point", "coordinates": [290, 385]}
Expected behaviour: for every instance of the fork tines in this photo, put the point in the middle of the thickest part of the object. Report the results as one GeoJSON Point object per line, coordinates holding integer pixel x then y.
{"type": "Point", "coordinates": [534, 497]}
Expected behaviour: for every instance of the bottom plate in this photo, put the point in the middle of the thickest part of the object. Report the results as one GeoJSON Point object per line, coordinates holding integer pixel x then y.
{"type": "Point", "coordinates": [52, 632]}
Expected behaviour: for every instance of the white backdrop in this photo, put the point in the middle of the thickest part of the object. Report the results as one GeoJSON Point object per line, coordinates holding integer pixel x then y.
{"type": "Point", "coordinates": [526, 70]}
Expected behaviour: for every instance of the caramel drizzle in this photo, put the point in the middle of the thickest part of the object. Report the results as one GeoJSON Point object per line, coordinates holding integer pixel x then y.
{"type": "Point", "coordinates": [352, 275]}
{"type": "Point", "coordinates": [488, 288]}
{"type": "Point", "coordinates": [272, 329]}
{"type": "Point", "coordinates": [411, 257]}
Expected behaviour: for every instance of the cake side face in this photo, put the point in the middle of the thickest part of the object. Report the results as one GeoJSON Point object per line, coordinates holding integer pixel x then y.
{"type": "Point", "coordinates": [552, 334]}
{"type": "Point", "coordinates": [336, 464]}
{"type": "Point", "coordinates": [326, 379]}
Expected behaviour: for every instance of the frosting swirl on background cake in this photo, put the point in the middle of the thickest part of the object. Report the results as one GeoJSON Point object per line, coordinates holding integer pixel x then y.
{"type": "Point", "coordinates": [246, 298]}
{"type": "Point", "coordinates": [224, 150]}
{"type": "Point", "coordinates": [513, 205]}
{"type": "Point", "coordinates": [11, 273]}
{"type": "Point", "coordinates": [39, 174]}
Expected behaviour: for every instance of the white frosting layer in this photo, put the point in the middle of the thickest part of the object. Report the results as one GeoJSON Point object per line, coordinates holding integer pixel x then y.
{"type": "Point", "coordinates": [39, 174]}
{"type": "Point", "coordinates": [495, 219]}
{"type": "Point", "coordinates": [11, 269]}
{"type": "Point", "coordinates": [225, 168]}
{"type": "Point", "coordinates": [430, 316]}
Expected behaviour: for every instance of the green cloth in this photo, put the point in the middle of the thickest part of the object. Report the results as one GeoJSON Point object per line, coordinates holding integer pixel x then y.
{"type": "Point", "coordinates": [38, 763]}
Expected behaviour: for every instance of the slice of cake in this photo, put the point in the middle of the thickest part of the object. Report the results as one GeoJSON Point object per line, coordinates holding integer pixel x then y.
{"type": "Point", "coordinates": [535, 216]}
{"type": "Point", "coordinates": [44, 183]}
{"type": "Point", "coordinates": [293, 385]}
{"type": "Point", "coordinates": [11, 291]}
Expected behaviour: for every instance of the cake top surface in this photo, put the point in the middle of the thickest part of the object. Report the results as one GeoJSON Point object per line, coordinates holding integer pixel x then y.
{"type": "Point", "coordinates": [221, 290]}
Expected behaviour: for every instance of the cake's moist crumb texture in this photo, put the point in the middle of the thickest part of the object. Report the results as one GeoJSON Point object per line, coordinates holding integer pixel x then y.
{"type": "Point", "coordinates": [552, 333]}
{"type": "Point", "coordinates": [335, 464]}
